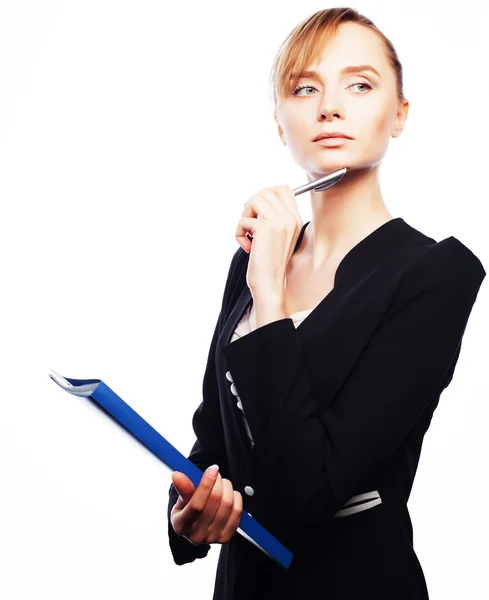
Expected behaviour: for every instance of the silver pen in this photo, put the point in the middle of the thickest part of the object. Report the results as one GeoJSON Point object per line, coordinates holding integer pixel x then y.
{"type": "Point", "coordinates": [318, 185]}
{"type": "Point", "coordinates": [321, 184]}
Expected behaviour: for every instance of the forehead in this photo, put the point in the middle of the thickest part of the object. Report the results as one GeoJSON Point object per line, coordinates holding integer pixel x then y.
{"type": "Point", "coordinates": [353, 44]}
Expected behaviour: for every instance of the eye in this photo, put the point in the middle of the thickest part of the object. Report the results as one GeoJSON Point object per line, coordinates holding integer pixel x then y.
{"type": "Point", "coordinates": [367, 85]}
{"type": "Point", "coordinates": [311, 87]}
{"type": "Point", "coordinates": [303, 87]}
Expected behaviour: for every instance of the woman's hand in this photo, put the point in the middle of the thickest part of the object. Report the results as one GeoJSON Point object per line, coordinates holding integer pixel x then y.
{"type": "Point", "coordinates": [209, 514]}
{"type": "Point", "coordinates": [275, 233]}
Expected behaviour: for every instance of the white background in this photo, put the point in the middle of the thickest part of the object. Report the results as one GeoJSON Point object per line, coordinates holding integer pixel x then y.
{"type": "Point", "coordinates": [132, 133]}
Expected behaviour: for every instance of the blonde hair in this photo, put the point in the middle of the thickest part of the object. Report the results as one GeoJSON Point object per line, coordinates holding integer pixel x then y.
{"type": "Point", "coordinates": [305, 43]}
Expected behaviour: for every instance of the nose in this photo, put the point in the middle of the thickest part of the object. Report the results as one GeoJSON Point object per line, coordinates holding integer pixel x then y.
{"type": "Point", "coordinates": [329, 108]}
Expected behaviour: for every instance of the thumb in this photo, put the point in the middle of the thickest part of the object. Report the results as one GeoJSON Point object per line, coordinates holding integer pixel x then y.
{"type": "Point", "coordinates": [184, 487]}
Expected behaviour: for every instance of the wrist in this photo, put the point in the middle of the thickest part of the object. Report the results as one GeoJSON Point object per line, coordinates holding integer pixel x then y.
{"type": "Point", "coordinates": [269, 296]}
{"type": "Point", "coordinates": [269, 306]}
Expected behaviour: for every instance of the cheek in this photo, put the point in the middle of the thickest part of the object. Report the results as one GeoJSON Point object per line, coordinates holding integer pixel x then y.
{"type": "Point", "coordinates": [382, 124]}
{"type": "Point", "coordinates": [292, 128]}
{"type": "Point", "coordinates": [374, 135]}
{"type": "Point", "coordinates": [295, 120]}
{"type": "Point", "coordinates": [382, 127]}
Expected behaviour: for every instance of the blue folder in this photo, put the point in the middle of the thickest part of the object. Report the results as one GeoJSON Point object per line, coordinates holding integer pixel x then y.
{"type": "Point", "coordinates": [118, 409]}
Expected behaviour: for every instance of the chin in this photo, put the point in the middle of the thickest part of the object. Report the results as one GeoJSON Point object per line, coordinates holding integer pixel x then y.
{"type": "Point", "coordinates": [327, 167]}
{"type": "Point", "coordinates": [338, 161]}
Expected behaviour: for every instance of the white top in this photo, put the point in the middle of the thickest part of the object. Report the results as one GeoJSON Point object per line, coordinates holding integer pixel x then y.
{"type": "Point", "coordinates": [247, 325]}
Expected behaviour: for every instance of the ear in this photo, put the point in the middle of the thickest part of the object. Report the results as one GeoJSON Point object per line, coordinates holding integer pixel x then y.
{"type": "Point", "coordinates": [402, 113]}
{"type": "Point", "coordinates": [280, 130]}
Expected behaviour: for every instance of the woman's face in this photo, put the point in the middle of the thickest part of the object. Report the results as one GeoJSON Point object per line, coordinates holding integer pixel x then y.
{"type": "Point", "coordinates": [333, 100]}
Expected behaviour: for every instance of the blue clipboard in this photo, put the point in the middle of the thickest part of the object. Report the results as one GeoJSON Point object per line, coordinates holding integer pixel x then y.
{"type": "Point", "coordinates": [125, 415]}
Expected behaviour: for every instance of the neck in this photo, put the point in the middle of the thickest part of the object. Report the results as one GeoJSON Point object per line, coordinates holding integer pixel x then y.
{"type": "Point", "coordinates": [342, 216]}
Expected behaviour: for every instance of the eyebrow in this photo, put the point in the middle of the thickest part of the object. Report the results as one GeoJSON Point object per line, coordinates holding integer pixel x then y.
{"type": "Point", "coordinates": [344, 71]}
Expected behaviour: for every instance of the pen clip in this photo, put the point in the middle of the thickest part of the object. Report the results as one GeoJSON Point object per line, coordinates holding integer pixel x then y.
{"type": "Point", "coordinates": [327, 185]}
{"type": "Point", "coordinates": [321, 184]}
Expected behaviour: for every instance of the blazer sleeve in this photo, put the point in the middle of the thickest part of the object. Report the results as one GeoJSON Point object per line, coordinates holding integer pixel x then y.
{"type": "Point", "coordinates": [306, 463]}
{"type": "Point", "coordinates": [209, 447]}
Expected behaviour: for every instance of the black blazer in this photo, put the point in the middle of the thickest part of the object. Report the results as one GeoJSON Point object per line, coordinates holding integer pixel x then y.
{"type": "Point", "coordinates": [337, 407]}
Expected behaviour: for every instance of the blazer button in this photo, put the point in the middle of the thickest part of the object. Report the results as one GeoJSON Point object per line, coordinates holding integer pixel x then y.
{"type": "Point", "coordinates": [229, 377]}
{"type": "Point", "coordinates": [249, 490]}
{"type": "Point", "coordinates": [240, 405]}
{"type": "Point", "coordinates": [234, 389]}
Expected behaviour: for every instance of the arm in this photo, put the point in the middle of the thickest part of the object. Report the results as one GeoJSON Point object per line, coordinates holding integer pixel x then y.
{"type": "Point", "coordinates": [209, 447]}
{"type": "Point", "coordinates": [312, 461]}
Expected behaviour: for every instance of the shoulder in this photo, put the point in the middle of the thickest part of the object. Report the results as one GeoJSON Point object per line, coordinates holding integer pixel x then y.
{"type": "Point", "coordinates": [447, 260]}
{"type": "Point", "coordinates": [448, 269]}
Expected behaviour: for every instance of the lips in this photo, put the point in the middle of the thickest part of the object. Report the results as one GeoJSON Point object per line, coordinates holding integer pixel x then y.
{"type": "Point", "coordinates": [333, 134]}
{"type": "Point", "coordinates": [332, 142]}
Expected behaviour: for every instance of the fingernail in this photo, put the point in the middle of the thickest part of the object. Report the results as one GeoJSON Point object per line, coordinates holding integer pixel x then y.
{"type": "Point", "coordinates": [212, 471]}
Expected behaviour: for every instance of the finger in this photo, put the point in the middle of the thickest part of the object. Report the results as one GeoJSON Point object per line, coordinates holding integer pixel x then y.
{"type": "Point", "coordinates": [279, 197]}
{"type": "Point", "coordinates": [222, 515]}
{"type": "Point", "coordinates": [199, 529]}
{"type": "Point", "coordinates": [184, 487]}
{"type": "Point", "coordinates": [245, 232]}
{"type": "Point", "coordinates": [234, 519]}
{"type": "Point", "coordinates": [246, 225]}
{"type": "Point", "coordinates": [264, 204]}
{"type": "Point", "coordinates": [196, 506]}
{"type": "Point", "coordinates": [272, 206]}
{"type": "Point", "coordinates": [254, 227]}
{"type": "Point", "coordinates": [288, 199]}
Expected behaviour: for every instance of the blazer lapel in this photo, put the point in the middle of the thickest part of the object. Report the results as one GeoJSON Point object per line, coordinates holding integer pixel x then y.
{"type": "Point", "coordinates": [244, 300]}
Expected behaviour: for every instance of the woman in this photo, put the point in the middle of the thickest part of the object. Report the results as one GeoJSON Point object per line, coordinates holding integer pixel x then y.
{"type": "Point", "coordinates": [333, 345]}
